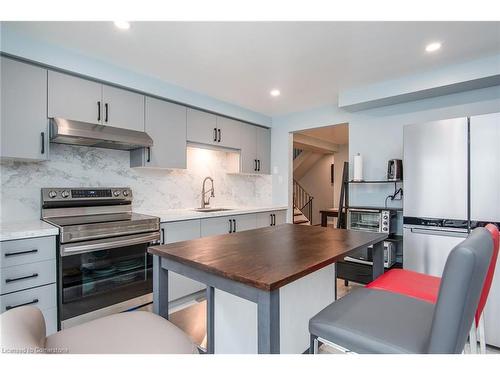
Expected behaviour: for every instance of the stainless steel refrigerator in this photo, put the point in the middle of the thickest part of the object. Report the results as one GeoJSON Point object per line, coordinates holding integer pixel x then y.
{"type": "Point", "coordinates": [452, 185]}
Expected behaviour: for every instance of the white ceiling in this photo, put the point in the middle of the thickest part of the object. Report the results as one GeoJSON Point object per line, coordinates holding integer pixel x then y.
{"type": "Point", "coordinates": [239, 62]}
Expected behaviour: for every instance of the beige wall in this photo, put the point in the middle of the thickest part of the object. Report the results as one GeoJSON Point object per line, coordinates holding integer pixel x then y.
{"type": "Point", "coordinates": [317, 183]}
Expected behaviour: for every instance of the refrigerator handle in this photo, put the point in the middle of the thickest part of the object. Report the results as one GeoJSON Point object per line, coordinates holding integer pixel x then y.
{"type": "Point", "coordinates": [443, 233]}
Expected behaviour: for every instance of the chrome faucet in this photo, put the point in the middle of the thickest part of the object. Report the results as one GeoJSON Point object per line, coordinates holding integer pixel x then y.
{"type": "Point", "coordinates": [205, 192]}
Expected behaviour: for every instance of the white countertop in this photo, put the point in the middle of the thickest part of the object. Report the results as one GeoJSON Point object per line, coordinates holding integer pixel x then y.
{"type": "Point", "coordinates": [189, 213]}
{"type": "Point", "coordinates": [16, 230]}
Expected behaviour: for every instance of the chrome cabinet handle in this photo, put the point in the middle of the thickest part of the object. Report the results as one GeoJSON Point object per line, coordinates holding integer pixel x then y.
{"type": "Point", "coordinates": [10, 307]}
{"type": "Point", "coordinates": [21, 278]}
{"type": "Point", "coordinates": [21, 253]}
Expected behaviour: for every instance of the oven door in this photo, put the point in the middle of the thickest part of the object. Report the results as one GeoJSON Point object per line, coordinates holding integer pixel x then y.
{"type": "Point", "coordinates": [365, 220]}
{"type": "Point", "coordinates": [94, 275]}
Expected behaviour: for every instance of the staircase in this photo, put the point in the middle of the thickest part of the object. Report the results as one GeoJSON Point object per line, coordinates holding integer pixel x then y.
{"type": "Point", "coordinates": [302, 205]}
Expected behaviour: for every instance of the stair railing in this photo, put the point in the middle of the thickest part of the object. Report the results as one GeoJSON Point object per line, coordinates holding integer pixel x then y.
{"type": "Point", "coordinates": [296, 152]}
{"type": "Point", "coordinates": [302, 200]}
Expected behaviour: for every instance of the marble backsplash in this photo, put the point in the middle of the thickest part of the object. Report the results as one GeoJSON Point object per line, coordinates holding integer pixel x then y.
{"type": "Point", "coordinates": [153, 189]}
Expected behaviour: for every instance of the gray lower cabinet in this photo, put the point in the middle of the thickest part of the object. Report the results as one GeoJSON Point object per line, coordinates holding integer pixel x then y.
{"type": "Point", "coordinates": [202, 127]}
{"type": "Point", "coordinates": [166, 124]}
{"type": "Point", "coordinates": [227, 224]}
{"type": "Point", "coordinates": [79, 99]}
{"type": "Point", "coordinates": [272, 218]}
{"type": "Point", "coordinates": [255, 149]}
{"type": "Point", "coordinates": [74, 98]}
{"type": "Point", "coordinates": [178, 285]}
{"type": "Point", "coordinates": [28, 277]}
{"type": "Point", "coordinates": [24, 111]}
{"type": "Point", "coordinates": [122, 108]}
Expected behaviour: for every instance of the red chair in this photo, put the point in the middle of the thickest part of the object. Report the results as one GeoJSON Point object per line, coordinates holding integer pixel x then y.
{"type": "Point", "coordinates": [426, 288]}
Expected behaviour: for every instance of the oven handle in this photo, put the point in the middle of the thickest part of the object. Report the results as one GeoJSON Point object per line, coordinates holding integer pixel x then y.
{"type": "Point", "coordinates": [110, 243]}
{"type": "Point", "coordinates": [364, 210]}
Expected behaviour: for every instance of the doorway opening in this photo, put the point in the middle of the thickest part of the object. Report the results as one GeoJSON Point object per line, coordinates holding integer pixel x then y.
{"type": "Point", "coordinates": [318, 158]}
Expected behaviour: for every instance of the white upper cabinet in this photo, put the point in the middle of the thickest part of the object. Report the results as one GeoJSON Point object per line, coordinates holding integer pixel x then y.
{"type": "Point", "coordinates": [79, 99]}
{"type": "Point", "coordinates": [202, 127]}
{"type": "Point", "coordinates": [229, 132]}
{"type": "Point", "coordinates": [263, 150]}
{"type": "Point", "coordinates": [74, 98]}
{"type": "Point", "coordinates": [255, 149]}
{"type": "Point", "coordinates": [122, 108]}
{"type": "Point", "coordinates": [248, 155]}
{"type": "Point", "coordinates": [166, 125]}
{"type": "Point", "coordinates": [209, 129]}
{"type": "Point", "coordinates": [23, 111]}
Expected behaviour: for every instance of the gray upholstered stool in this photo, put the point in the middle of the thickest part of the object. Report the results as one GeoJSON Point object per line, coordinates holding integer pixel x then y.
{"type": "Point", "coordinates": [372, 321]}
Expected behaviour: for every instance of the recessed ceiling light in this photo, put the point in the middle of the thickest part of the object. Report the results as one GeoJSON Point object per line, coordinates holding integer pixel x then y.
{"type": "Point", "coordinates": [432, 47]}
{"type": "Point", "coordinates": [275, 92]}
{"type": "Point", "coordinates": [123, 25]}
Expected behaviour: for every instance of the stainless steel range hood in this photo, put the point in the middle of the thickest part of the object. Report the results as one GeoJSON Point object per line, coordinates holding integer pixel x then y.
{"type": "Point", "coordinates": [86, 134]}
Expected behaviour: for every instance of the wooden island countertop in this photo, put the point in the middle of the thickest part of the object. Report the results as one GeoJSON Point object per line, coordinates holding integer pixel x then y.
{"type": "Point", "coordinates": [268, 258]}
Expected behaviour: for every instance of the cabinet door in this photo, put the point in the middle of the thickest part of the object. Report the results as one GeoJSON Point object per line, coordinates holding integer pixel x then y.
{"type": "Point", "coordinates": [122, 108]}
{"type": "Point", "coordinates": [264, 219]}
{"type": "Point", "coordinates": [230, 132]}
{"type": "Point", "coordinates": [24, 111]}
{"type": "Point", "coordinates": [216, 225]}
{"type": "Point", "coordinates": [245, 222]}
{"type": "Point", "coordinates": [74, 98]}
{"type": "Point", "coordinates": [248, 155]}
{"type": "Point", "coordinates": [264, 150]}
{"type": "Point", "coordinates": [201, 127]}
{"type": "Point", "coordinates": [166, 124]}
{"type": "Point", "coordinates": [178, 285]}
{"type": "Point", "coordinates": [279, 217]}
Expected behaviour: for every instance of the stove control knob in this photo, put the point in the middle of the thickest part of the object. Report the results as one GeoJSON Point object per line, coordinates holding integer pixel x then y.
{"type": "Point", "coordinates": [125, 193]}
{"type": "Point", "coordinates": [385, 223]}
{"type": "Point", "coordinates": [65, 194]}
{"type": "Point", "coordinates": [116, 193]}
{"type": "Point", "coordinates": [52, 194]}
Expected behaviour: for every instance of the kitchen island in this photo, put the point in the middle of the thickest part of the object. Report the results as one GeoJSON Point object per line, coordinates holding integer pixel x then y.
{"type": "Point", "coordinates": [257, 280]}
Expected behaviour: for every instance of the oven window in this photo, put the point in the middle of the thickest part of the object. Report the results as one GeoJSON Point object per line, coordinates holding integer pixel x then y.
{"type": "Point", "coordinates": [98, 279]}
{"type": "Point", "coordinates": [366, 221]}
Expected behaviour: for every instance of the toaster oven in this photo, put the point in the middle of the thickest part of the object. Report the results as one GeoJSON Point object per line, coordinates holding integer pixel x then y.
{"type": "Point", "coordinates": [372, 220]}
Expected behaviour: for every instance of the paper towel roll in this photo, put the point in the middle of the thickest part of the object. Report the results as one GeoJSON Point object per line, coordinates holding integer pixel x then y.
{"type": "Point", "coordinates": [358, 168]}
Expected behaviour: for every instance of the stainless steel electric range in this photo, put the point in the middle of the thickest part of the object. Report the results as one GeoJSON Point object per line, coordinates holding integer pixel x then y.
{"type": "Point", "coordinates": [103, 264]}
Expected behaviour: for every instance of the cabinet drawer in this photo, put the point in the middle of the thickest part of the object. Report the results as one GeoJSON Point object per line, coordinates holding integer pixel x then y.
{"type": "Point", "coordinates": [44, 297]}
{"type": "Point", "coordinates": [29, 250]}
{"type": "Point", "coordinates": [358, 273]}
{"type": "Point", "coordinates": [27, 276]}
{"type": "Point", "coordinates": [50, 316]}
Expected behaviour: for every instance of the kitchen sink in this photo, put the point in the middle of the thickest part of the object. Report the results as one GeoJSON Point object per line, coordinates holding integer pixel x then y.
{"type": "Point", "coordinates": [211, 209]}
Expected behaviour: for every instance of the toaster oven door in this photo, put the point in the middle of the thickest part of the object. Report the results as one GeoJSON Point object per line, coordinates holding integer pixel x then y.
{"type": "Point", "coordinates": [365, 220]}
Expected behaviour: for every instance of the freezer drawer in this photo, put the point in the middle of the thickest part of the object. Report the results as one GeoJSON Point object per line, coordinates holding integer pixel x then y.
{"type": "Point", "coordinates": [435, 169]}
{"type": "Point", "coordinates": [426, 249]}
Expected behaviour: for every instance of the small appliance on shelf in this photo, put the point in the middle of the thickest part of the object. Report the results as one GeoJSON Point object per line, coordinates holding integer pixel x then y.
{"type": "Point", "coordinates": [395, 170]}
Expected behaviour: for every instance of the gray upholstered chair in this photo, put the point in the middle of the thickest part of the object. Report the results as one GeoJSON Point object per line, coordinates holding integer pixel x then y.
{"type": "Point", "coordinates": [374, 321]}
{"type": "Point", "coordinates": [137, 332]}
